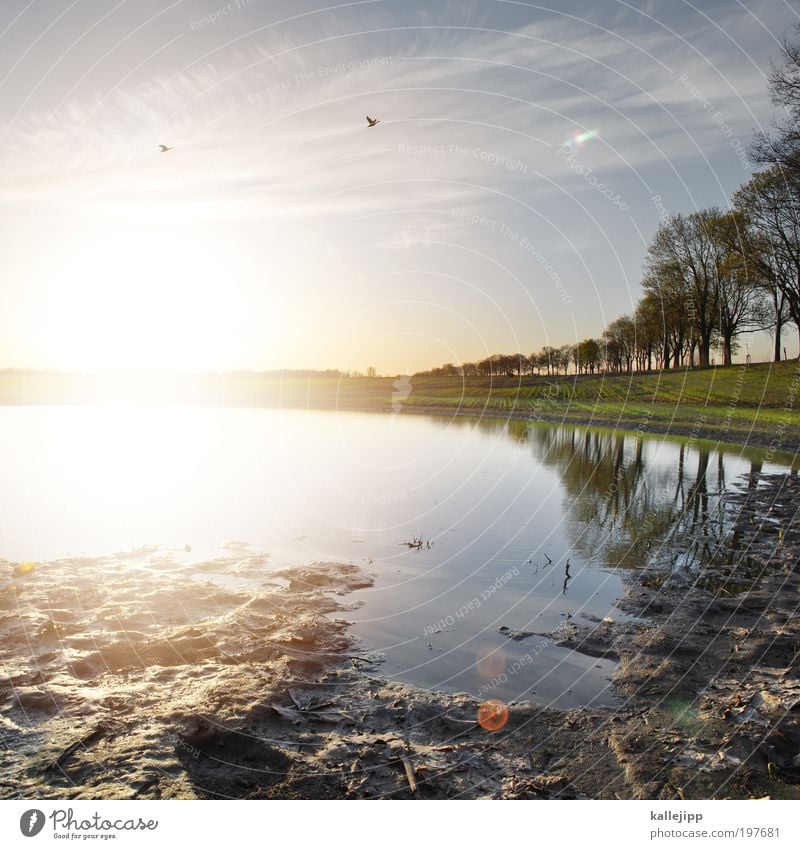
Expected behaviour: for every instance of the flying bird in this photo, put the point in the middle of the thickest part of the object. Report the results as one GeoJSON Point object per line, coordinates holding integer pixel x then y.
{"type": "Point", "coordinates": [371, 122]}
{"type": "Point", "coordinates": [164, 148]}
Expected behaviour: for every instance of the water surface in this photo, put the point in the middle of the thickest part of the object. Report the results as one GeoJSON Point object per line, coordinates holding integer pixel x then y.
{"type": "Point", "coordinates": [523, 528]}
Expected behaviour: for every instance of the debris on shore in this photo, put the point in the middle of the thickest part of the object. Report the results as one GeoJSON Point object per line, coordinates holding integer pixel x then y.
{"type": "Point", "coordinates": [417, 543]}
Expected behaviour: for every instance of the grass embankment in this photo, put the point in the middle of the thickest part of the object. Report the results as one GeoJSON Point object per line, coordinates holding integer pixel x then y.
{"type": "Point", "coordinates": [756, 404]}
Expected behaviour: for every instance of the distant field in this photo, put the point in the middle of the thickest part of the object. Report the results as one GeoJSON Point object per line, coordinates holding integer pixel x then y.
{"type": "Point", "coordinates": [756, 404]}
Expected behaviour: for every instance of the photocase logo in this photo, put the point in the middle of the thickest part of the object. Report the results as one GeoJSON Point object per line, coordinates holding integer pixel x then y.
{"type": "Point", "coordinates": [402, 389]}
{"type": "Point", "coordinates": [31, 822]}
{"type": "Point", "coordinates": [66, 825]}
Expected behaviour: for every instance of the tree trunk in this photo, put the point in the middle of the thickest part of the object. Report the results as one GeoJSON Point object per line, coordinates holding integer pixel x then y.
{"type": "Point", "coordinates": [778, 328]}
{"type": "Point", "coordinates": [727, 351]}
{"type": "Point", "coordinates": [704, 349]}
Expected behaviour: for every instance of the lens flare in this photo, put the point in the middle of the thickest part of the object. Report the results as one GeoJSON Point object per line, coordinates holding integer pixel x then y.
{"type": "Point", "coordinates": [490, 663]}
{"type": "Point", "coordinates": [580, 139]}
{"type": "Point", "coordinates": [25, 568]}
{"type": "Point", "coordinates": [685, 715]}
{"type": "Point", "coordinates": [492, 715]}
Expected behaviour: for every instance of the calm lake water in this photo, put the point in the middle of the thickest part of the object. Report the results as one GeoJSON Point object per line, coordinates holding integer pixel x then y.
{"type": "Point", "coordinates": [528, 528]}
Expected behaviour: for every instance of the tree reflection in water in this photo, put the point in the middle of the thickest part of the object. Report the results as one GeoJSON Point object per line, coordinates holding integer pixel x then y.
{"type": "Point", "coordinates": [636, 501]}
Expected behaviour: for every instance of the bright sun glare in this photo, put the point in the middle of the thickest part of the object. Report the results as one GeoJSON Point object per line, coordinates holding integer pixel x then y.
{"type": "Point", "coordinates": [143, 292]}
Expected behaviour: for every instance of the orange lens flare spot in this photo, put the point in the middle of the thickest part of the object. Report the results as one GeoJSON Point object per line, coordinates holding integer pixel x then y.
{"type": "Point", "coordinates": [25, 568]}
{"type": "Point", "coordinates": [492, 715]}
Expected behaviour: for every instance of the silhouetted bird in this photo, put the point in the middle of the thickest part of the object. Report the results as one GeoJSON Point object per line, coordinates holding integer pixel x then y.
{"type": "Point", "coordinates": [371, 122]}
{"type": "Point", "coordinates": [164, 148]}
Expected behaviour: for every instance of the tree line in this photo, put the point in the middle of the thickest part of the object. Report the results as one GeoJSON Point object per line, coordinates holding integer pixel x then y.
{"type": "Point", "coordinates": [709, 276]}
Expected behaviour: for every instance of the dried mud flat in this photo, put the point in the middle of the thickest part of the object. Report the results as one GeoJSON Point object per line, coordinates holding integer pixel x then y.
{"type": "Point", "coordinates": [143, 676]}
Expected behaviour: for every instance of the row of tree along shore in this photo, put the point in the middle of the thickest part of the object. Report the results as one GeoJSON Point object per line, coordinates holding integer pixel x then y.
{"type": "Point", "coordinates": [709, 276]}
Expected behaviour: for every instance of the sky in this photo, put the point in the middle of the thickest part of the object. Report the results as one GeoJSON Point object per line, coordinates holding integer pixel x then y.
{"type": "Point", "coordinates": [524, 158]}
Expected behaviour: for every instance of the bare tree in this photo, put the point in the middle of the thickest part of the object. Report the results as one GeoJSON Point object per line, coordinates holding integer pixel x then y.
{"type": "Point", "coordinates": [781, 144]}
{"type": "Point", "coordinates": [770, 202]}
{"type": "Point", "coordinates": [740, 297]}
{"type": "Point", "coordinates": [692, 247]}
{"type": "Point", "coordinates": [650, 332]}
{"type": "Point", "coordinates": [669, 293]}
{"type": "Point", "coordinates": [588, 356]}
{"type": "Point", "coordinates": [620, 338]}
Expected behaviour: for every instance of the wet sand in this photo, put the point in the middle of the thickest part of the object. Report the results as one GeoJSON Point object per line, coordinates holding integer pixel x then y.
{"type": "Point", "coordinates": [149, 676]}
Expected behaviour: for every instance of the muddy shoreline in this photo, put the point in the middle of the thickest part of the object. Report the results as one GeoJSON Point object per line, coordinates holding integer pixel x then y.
{"type": "Point", "coordinates": [709, 676]}
{"type": "Point", "coordinates": [253, 688]}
